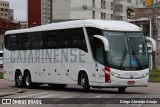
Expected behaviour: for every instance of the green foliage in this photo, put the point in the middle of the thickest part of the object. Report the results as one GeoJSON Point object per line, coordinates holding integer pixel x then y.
{"type": "Point", "coordinates": [155, 75]}
{"type": "Point", "coordinates": [1, 75]}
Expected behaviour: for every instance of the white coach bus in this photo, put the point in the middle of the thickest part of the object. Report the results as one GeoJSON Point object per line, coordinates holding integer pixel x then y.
{"type": "Point", "coordinates": [90, 53]}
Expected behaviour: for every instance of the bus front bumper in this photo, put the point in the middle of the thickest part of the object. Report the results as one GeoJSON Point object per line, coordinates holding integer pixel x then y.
{"type": "Point", "coordinates": [117, 82]}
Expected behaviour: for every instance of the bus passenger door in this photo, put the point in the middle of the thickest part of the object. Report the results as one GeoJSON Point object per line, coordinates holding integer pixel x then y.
{"type": "Point", "coordinates": [100, 60]}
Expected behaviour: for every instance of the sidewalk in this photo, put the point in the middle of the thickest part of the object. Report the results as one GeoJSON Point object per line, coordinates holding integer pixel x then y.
{"type": "Point", "coordinates": [7, 88]}
{"type": "Point", "coordinates": [6, 92]}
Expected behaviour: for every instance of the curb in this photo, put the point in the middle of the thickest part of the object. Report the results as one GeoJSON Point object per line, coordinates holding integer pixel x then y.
{"type": "Point", "coordinates": [155, 81]}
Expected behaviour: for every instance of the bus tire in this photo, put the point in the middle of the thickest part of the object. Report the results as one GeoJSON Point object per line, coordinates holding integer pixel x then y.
{"type": "Point", "coordinates": [19, 81]}
{"type": "Point", "coordinates": [121, 89]}
{"type": "Point", "coordinates": [28, 81]}
{"type": "Point", "coordinates": [85, 82]}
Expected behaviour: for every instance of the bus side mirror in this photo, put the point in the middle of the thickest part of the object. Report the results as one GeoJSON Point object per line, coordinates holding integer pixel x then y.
{"type": "Point", "coordinates": [105, 41]}
{"type": "Point", "coordinates": [151, 47]}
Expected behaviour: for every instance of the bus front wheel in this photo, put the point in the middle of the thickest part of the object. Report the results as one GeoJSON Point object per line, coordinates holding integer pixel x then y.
{"type": "Point", "coordinates": [85, 82]}
{"type": "Point", "coordinates": [122, 89]}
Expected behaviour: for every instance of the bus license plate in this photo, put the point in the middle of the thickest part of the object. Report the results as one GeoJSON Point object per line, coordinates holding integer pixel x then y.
{"type": "Point", "coordinates": [131, 82]}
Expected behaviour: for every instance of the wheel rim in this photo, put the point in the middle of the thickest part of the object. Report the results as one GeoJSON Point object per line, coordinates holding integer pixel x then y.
{"type": "Point", "coordinates": [19, 80]}
{"type": "Point", "coordinates": [28, 81]}
{"type": "Point", "coordinates": [83, 80]}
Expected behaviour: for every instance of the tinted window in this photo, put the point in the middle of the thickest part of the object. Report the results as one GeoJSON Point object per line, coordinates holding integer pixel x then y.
{"type": "Point", "coordinates": [25, 41]}
{"type": "Point", "coordinates": [12, 42]}
{"type": "Point", "coordinates": [50, 40]}
{"type": "Point", "coordinates": [65, 39]}
{"type": "Point", "coordinates": [99, 51]}
{"type": "Point", "coordinates": [91, 32]}
{"type": "Point", "coordinates": [36, 40]}
{"type": "Point", "coordinates": [72, 38]}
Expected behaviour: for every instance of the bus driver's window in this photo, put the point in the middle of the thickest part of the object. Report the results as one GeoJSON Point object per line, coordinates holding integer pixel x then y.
{"type": "Point", "coordinates": [99, 50]}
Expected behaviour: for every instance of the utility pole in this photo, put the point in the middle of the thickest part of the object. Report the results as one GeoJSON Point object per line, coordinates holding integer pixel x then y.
{"type": "Point", "coordinates": [153, 34]}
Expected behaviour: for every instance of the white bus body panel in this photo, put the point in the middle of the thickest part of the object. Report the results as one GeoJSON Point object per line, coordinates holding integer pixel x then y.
{"type": "Point", "coordinates": [43, 71]}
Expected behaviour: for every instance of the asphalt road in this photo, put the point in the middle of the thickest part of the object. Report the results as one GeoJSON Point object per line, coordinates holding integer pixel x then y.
{"type": "Point", "coordinates": [73, 91]}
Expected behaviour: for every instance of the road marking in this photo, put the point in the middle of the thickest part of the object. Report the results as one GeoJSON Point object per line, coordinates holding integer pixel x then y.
{"type": "Point", "coordinates": [138, 105]}
{"type": "Point", "coordinates": [47, 96]}
{"type": "Point", "coordinates": [68, 97]}
{"type": "Point", "coordinates": [31, 95]}
{"type": "Point", "coordinates": [98, 96]}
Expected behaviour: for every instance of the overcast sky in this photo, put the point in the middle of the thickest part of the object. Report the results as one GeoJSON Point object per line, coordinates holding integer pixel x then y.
{"type": "Point", "coordinates": [20, 9]}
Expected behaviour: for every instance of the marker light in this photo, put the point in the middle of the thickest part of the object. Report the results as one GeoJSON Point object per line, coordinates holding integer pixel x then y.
{"type": "Point", "coordinates": [107, 74]}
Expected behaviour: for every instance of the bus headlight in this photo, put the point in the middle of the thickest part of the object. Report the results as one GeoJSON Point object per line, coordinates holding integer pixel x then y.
{"type": "Point", "coordinates": [145, 75]}
{"type": "Point", "coordinates": [115, 75]}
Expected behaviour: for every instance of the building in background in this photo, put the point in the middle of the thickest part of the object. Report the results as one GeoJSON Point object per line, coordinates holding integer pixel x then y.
{"type": "Point", "coordinates": [150, 2]}
{"type": "Point", "coordinates": [46, 11]}
{"type": "Point", "coordinates": [6, 19]}
{"type": "Point", "coordinates": [43, 11]}
{"type": "Point", "coordinates": [11, 14]}
{"type": "Point", "coordinates": [4, 9]}
{"type": "Point", "coordinates": [93, 9]}
{"type": "Point", "coordinates": [39, 12]}
{"type": "Point", "coordinates": [23, 24]}
{"type": "Point", "coordinates": [6, 25]}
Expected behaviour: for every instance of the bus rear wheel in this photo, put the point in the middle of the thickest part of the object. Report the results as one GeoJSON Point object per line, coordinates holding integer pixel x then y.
{"type": "Point", "coordinates": [28, 82]}
{"type": "Point", "coordinates": [122, 89]}
{"type": "Point", "coordinates": [85, 82]}
{"type": "Point", "coordinates": [19, 82]}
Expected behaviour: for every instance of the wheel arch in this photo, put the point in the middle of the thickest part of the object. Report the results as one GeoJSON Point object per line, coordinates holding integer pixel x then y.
{"type": "Point", "coordinates": [26, 71]}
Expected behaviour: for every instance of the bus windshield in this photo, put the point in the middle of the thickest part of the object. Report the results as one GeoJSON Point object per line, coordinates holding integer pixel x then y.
{"type": "Point", "coordinates": [127, 50]}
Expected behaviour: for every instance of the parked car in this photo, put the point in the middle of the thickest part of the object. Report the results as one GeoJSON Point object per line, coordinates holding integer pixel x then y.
{"type": "Point", "coordinates": [1, 58]}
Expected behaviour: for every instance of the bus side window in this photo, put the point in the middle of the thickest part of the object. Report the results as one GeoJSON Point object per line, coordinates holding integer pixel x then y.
{"type": "Point", "coordinates": [79, 40]}
{"type": "Point", "coordinates": [25, 41]}
{"type": "Point", "coordinates": [12, 42]}
{"type": "Point", "coordinates": [65, 38]}
{"type": "Point", "coordinates": [50, 40]}
{"type": "Point", "coordinates": [73, 38]}
{"type": "Point", "coordinates": [91, 32]}
{"type": "Point", "coordinates": [37, 40]}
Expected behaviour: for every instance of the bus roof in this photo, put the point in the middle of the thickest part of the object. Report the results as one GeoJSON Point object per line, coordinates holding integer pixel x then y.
{"type": "Point", "coordinates": [101, 24]}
